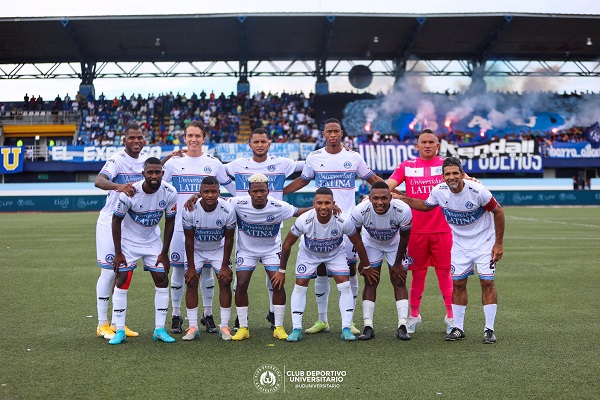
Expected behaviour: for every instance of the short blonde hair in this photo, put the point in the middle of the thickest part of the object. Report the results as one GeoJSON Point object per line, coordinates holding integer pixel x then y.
{"type": "Point", "coordinates": [258, 178]}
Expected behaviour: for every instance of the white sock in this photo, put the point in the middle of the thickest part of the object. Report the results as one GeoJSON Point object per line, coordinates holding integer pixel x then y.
{"type": "Point", "coordinates": [225, 315]}
{"type": "Point", "coordinates": [161, 305]}
{"type": "Point", "coordinates": [192, 315]}
{"type": "Point", "coordinates": [279, 311]}
{"type": "Point", "coordinates": [119, 307]}
{"type": "Point", "coordinates": [103, 288]}
{"type": "Point", "coordinates": [459, 316]}
{"type": "Point", "coordinates": [270, 292]}
{"type": "Point", "coordinates": [242, 313]}
{"type": "Point", "coordinates": [208, 290]}
{"type": "Point", "coordinates": [298, 305]}
{"type": "Point", "coordinates": [177, 289]}
{"type": "Point", "coordinates": [402, 307]}
{"type": "Point", "coordinates": [346, 303]}
{"type": "Point", "coordinates": [489, 310]}
{"type": "Point", "coordinates": [368, 310]}
{"type": "Point", "coordinates": [322, 289]}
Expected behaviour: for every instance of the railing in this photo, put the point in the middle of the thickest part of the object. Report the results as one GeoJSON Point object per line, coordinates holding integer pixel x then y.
{"type": "Point", "coordinates": [41, 117]}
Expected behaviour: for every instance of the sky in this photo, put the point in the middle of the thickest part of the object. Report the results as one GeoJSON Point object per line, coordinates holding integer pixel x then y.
{"type": "Point", "coordinates": [15, 89]}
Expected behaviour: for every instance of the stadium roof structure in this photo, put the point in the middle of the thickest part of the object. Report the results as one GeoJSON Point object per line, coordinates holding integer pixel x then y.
{"type": "Point", "coordinates": [307, 44]}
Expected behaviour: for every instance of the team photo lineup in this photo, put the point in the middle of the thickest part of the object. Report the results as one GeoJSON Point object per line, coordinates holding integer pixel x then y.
{"type": "Point", "coordinates": [444, 219]}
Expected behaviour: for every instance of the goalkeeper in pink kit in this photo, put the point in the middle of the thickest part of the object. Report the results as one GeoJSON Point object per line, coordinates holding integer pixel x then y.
{"type": "Point", "coordinates": [431, 239]}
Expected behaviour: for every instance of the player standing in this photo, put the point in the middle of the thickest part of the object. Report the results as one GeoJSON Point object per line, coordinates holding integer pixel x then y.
{"type": "Point", "coordinates": [431, 236]}
{"type": "Point", "coordinates": [386, 224]}
{"type": "Point", "coordinates": [136, 235]}
{"type": "Point", "coordinates": [209, 233]}
{"type": "Point", "coordinates": [322, 243]}
{"type": "Point", "coordinates": [276, 169]}
{"type": "Point", "coordinates": [186, 173]}
{"type": "Point", "coordinates": [336, 168]}
{"type": "Point", "coordinates": [477, 240]}
{"type": "Point", "coordinates": [117, 176]}
{"type": "Point", "coordinates": [258, 222]}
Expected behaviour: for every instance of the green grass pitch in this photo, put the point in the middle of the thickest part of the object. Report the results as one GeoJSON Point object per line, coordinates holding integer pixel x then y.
{"type": "Point", "coordinates": [547, 326]}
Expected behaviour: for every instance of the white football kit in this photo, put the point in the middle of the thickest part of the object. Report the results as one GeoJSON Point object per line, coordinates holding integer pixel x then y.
{"type": "Point", "coordinates": [469, 215]}
{"type": "Point", "coordinates": [119, 168]}
{"type": "Point", "coordinates": [140, 233]}
{"type": "Point", "coordinates": [186, 174]}
{"type": "Point", "coordinates": [338, 173]}
{"type": "Point", "coordinates": [258, 232]}
{"type": "Point", "coordinates": [276, 169]}
{"type": "Point", "coordinates": [321, 243]}
{"type": "Point", "coordinates": [380, 233]}
{"type": "Point", "coordinates": [209, 232]}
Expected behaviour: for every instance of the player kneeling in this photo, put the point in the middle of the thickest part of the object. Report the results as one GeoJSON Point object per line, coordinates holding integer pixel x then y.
{"type": "Point", "coordinates": [136, 236]}
{"type": "Point", "coordinates": [386, 227]}
{"type": "Point", "coordinates": [209, 230]}
{"type": "Point", "coordinates": [322, 242]}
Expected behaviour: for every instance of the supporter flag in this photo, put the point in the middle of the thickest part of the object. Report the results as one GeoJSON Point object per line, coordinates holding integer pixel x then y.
{"type": "Point", "coordinates": [13, 159]}
{"type": "Point", "coordinates": [593, 135]}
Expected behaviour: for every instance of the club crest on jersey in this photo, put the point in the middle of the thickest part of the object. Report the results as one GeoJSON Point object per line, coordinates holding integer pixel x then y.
{"type": "Point", "coordinates": [239, 260]}
{"type": "Point", "coordinates": [175, 256]}
{"type": "Point", "coordinates": [469, 205]}
{"type": "Point", "coordinates": [219, 222]}
{"type": "Point", "coordinates": [347, 164]}
{"type": "Point", "coordinates": [207, 169]}
{"type": "Point", "coordinates": [270, 218]}
{"type": "Point", "coordinates": [301, 268]}
{"type": "Point", "coordinates": [271, 168]}
{"type": "Point", "coordinates": [334, 232]}
{"type": "Point", "coordinates": [110, 258]}
{"type": "Point", "coordinates": [393, 222]}
{"type": "Point", "coordinates": [162, 203]}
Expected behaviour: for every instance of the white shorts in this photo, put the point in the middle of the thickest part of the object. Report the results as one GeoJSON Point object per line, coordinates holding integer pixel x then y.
{"type": "Point", "coordinates": [306, 264]}
{"type": "Point", "coordinates": [177, 250]}
{"type": "Point", "coordinates": [208, 259]}
{"type": "Point", "coordinates": [105, 247]}
{"type": "Point", "coordinates": [148, 252]}
{"type": "Point", "coordinates": [464, 262]}
{"type": "Point", "coordinates": [376, 256]}
{"type": "Point", "coordinates": [245, 261]}
{"type": "Point", "coordinates": [351, 254]}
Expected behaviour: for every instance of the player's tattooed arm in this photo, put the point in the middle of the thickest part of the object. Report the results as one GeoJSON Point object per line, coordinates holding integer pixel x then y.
{"type": "Point", "coordinates": [164, 254]}
{"type": "Point", "coordinates": [119, 258]}
{"type": "Point", "coordinates": [226, 273]}
{"type": "Point", "coordinates": [398, 268]}
{"type": "Point", "coordinates": [364, 267]}
{"type": "Point", "coordinates": [278, 279]}
{"type": "Point", "coordinates": [190, 272]}
{"type": "Point", "coordinates": [499, 222]}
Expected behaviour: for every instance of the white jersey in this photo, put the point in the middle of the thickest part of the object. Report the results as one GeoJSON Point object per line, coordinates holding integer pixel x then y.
{"type": "Point", "coordinates": [186, 174]}
{"type": "Point", "coordinates": [322, 240]}
{"type": "Point", "coordinates": [209, 227]}
{"type": "Point", "coordinates": [382, 231]}
{"type": "Point", "coordinates": [468, 213]}
{"type": "Point", "coordinates": [338, 173]}
{"type": "Point", "coordinates": [258, 229]}
{"type": "Point", "coordinates": [276, 169]}
{"type": "Point", "coordinates": [119, 168]}
{"type": "Point", "coordinates": [142, 212]}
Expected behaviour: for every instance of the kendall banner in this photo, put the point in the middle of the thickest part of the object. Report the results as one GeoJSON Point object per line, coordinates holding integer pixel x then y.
{"type": "Point", "coordinates": [497, 156]}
